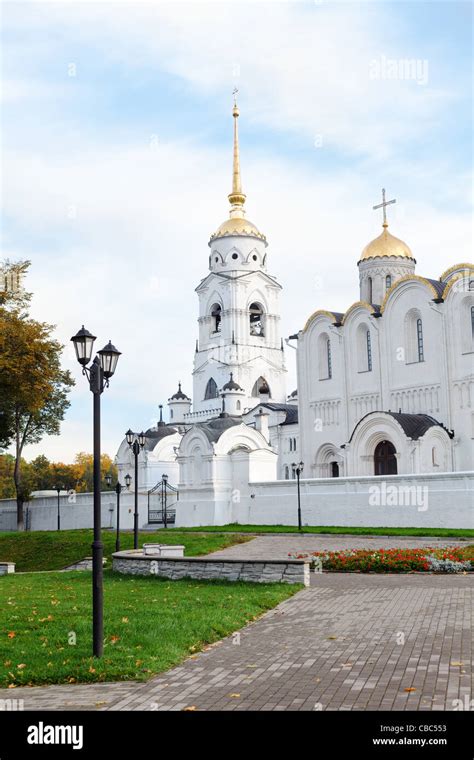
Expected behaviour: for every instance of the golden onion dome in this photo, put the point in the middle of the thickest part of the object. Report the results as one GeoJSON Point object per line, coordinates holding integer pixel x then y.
{"type": "Point", "coordinates": [237, 226]}
{"type": "Point", "coordinates": [386, 245]}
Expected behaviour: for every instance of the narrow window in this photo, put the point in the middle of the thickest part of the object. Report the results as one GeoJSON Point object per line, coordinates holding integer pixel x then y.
{"type": "Point", "coordinates": [419, 336]}
{"type": "Point", "coordinates": [388, 282]}
{"type": "Point", "coordinates": [369, 352]}
{"type": "Point", "coordinates": [472, 322]}
{"type": "Point", "coordinates": [329, 359]}
{"type": "Point", "coordinates": [369, 282]}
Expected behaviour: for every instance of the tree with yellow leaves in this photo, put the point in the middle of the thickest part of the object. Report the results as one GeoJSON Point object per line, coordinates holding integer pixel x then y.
{"type": "Point", "coordinates": [33, 386]}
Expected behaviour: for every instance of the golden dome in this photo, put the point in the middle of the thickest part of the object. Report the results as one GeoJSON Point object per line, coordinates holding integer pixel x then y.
{"type": "Point", "coordinates": [238, 226]}
{"type": "Point", "coordinates": [386, 245]}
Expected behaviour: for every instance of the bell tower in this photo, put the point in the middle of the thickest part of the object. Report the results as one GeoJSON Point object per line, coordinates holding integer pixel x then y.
{"type": "Point", "coordinates": [239, 312]}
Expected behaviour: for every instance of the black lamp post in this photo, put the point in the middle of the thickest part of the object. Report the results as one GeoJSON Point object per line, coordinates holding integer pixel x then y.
{"type": "Point", "coordinates": [118, 491]}
{"type": "Point", "coordinates": [98, 375]}
{"type": "Point", "coordinates": [58, 489]}
{"type": "Point", "coordinates": [164, 483]}
{"type": "Point", "coordinates": [136, 443]}
{"type": "Point", "coordinates": [298, 469]}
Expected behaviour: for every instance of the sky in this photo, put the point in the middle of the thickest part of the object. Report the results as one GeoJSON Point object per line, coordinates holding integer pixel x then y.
{"type": "Point", "coordinates": [117, 151]}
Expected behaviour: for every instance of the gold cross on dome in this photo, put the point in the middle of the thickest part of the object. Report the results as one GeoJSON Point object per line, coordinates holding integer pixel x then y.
{"type": "Point", "coordinates": [383, 205]}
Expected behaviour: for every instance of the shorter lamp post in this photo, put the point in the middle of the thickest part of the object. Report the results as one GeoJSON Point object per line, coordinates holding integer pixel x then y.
{"type": "Point", "coordinates": [58, 490]}
{"type": "Point", "coordinates": [118, 491]}
{"type": "Point", "coordinates": [298, 469]}
{"type": "Point", "coordinates": [136, 443]}
{"type": "Point", "coordinates": [164, 506]}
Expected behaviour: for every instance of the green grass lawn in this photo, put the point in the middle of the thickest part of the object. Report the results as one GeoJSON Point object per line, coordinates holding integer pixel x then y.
{"type": "Point", "coordinates": [333, 529]}
{"type": "Point", "coordinates": [54, 550]}
{"type": "Point", "coordinates": [151, 624]}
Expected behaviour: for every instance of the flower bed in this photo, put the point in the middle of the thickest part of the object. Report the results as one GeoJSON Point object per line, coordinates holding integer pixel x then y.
{"type": "Point", "coordinates": [427, 559]}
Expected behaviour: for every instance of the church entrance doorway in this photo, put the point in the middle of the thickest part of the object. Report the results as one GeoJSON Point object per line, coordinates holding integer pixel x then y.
{"type": "Point", "coordinates": [385, 459]}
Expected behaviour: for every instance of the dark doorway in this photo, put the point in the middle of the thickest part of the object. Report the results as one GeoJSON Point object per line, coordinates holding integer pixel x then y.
{"type": "Point", "coordinates": [385, 460]}
{"type": "Point", "coordinates": [334, 470]}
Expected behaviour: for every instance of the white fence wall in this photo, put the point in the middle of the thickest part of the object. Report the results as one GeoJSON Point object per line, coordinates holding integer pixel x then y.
{"type": "Point", "coordinates": [41, 513]}
{"type": "Point", "coordinates": [431, 500]}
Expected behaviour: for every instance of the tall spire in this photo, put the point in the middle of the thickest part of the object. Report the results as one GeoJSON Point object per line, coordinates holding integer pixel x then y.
{"type": "Point", "coordinates": [236, 197]}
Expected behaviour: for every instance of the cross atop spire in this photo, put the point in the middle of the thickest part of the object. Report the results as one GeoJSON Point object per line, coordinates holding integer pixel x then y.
{"type": "Point", "coordinates": [383, 206]}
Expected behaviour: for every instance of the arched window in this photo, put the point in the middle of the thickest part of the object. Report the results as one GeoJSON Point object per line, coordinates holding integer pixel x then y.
{"type": "Point", "coordinates": [363, 346]}
{"type": "Point", "coordinates": [471, 284]}
{"type": "Point", "coordinates": [419, 339]}
{"type": "Point", "coordinates": [388, 282]}
{"type": "Point", "coordinates": [171, 414]}
{"type": "Point", "coordinates": [385, 460]}
{"type": "Point", "coordinates": [216, 314]}
{"type": "Point", "coordinates": [256, 320]}
{"type": "Point", "coordinates": [472, 322]}
{"type": "Point", "coordinates": [369, 289]}
{"type": "Point", "coordinates": [414, 344]}
{"type": "Point", "coordinates": [211, 389]}
{"type": "Point", "coordinates": [237, 406]}
{"type": "Point", "coordinates": [369, 352]}
{"type": "Point", "coordinates": [324, 357]}
{"type": "Point", "coordinates": [261, 388]}
{"type": "Point", "coordinates": [287, 472]}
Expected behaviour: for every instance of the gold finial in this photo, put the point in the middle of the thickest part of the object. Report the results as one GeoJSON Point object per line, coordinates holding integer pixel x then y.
{"type": "Point", "coordinates": [383, 205]}
{"type": "Point", "coordinates": [236, 197]}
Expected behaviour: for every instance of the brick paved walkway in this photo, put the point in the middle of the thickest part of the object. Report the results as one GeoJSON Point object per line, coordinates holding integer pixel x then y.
{"type": "Point", "coordinates": [349, 642]}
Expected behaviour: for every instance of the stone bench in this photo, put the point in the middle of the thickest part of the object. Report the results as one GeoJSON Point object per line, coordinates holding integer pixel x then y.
{"type": "Point", "coordinates": [7, 567]}
{"type": "Point", "coordinates": [135, 562]}
{"type": "Point", "coordinates": [163, 550]}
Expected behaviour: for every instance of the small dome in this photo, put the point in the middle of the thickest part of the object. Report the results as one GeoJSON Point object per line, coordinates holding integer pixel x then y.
{"type": "Point", "coordinates": [240, 227]}
{"type": "Point", "coordinates": [231, 385]}
{"type": "Point", "coordinates": [179, 395]}
{"type": "Point", "coordinates": [264, 389]}
{"type": "Point", "coordinates": [386, 245]}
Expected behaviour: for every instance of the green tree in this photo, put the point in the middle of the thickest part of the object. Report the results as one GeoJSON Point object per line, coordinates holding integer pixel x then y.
{"type": "Point", "coordinates": [84, 466]}
{"type": "Point", "coordinates": [7, 484]}
{"type": "Point", "coordinates": [33, 386]}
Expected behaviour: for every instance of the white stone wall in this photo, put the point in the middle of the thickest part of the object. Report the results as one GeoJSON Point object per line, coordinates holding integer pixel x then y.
{"type": "Point", "coordinates": [432, 500]}
{"type": "Point", "coordinates": [42, 512]}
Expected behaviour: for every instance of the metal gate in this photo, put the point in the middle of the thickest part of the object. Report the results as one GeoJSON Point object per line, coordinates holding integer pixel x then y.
{"type": "Point", "coordinates": [162, 500]}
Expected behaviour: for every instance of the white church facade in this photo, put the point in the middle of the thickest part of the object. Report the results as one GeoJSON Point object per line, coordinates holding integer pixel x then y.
{"type": "Point", "coordinates": [386, 388]}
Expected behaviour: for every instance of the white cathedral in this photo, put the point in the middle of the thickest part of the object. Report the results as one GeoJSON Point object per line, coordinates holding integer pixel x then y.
{"type": "Point", "coordinates": [385, 388]}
